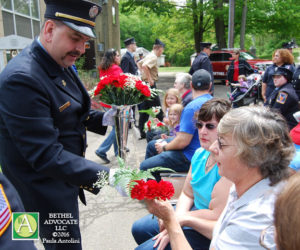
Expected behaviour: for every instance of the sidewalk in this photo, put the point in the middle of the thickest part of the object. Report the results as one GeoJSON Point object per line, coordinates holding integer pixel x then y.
{"type": "Point", "coordinates": [107, 219]}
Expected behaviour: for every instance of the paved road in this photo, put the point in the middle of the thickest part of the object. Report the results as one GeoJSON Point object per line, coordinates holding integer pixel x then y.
{"type": "Point", "coordinates": [106, 220]}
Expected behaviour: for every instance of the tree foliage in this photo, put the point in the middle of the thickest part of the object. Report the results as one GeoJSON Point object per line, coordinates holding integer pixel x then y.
{"type": "Point", "coordinates": [269, 23]}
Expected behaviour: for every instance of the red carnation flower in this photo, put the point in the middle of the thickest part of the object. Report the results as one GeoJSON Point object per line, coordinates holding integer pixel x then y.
{"type": "Point", "coordinates": [139, 190]}
{"type": "Point", "coordinates": [166, 190]}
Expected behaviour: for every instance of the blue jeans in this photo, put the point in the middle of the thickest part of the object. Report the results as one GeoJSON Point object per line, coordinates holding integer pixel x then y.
{"type": "Point", "coordinates": [174, 159]}
{"type": "Point", "coordinates": [105, 146]}
{"type": "Point", "coordinates": [144, 229]}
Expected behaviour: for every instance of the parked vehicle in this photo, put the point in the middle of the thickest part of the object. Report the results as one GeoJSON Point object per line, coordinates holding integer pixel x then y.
{"type": "Point", "coordinates": [221, 59]}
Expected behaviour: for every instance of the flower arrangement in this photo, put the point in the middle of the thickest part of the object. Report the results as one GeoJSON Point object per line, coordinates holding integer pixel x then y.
{"type": "Point", "coordinates": [153, 123]}
{"type": "Point", "coordinates": [133, 182]}
{"type": "Point", "coordinates": [125, 89]}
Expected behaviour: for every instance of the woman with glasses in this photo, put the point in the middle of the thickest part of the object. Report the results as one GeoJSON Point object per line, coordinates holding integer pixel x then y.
{"type": "Point", "coordinates": [253, 150]}
{"type": "Point", "coordinates": [204, 193]}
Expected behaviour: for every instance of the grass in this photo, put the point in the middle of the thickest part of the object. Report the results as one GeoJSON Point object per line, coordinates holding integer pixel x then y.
{"type": "Point", "coordinates": [174, 69]}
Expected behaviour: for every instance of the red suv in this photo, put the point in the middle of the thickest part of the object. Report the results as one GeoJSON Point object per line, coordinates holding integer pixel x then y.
{"type": "Point", "coordinates": [221, 59]}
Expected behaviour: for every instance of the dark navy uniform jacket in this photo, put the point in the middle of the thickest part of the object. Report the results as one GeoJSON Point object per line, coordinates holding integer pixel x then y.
{"type": "Point", "coordinates": [44, 115]}
{"type": "Point", "coordinates": [296, 81]}
{"type": "Point", "coordinates": [285, 100]}
{"type": "Point", "coordinates": [268, 79]}
{"type": "Point", "coordinates": [128, 64]}
{"type": "Point", "coordinates": [14, 203]}
{"type": "Point", "coordinates": [202, 62]}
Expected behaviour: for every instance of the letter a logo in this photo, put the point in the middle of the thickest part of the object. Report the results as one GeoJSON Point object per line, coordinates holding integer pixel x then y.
{"type": "Point", "coordinates": [25, 226]}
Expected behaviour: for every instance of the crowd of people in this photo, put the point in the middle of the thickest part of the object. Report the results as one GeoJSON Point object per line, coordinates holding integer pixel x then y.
{"type": "Point", "coordinates": [241, 163]}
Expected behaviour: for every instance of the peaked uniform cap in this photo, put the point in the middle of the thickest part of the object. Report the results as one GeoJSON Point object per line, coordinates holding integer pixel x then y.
{"type": "Point", "coordinates": [79, 15]}
{"type": "Point", "coordinates": [284, 72]}
{"type": "Point", "coordinates": [129, 41]}
{"type": "Point", "coordinates": [205, 44]}
{"type": "Point", "coordinates": [159, 42]}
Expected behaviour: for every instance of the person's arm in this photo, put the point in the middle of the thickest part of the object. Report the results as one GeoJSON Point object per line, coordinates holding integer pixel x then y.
{"type": "Point", "coordinates": [165, 211]}
{"type": "Point", "coordinates": [263, 91]}
{"type": "Point", "coordinates": [147, 73]}
{"type": "Point", "coordinates": [248, 68]}
{"type": "Point", "coordinates": [180, 141]}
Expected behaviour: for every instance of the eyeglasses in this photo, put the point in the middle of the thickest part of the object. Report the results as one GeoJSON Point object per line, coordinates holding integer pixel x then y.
{"type": "Point", "coordinates": [222, 145]}
{"type": "Point", "coordinates": [267, 237]}
{"type": "Point", "coordinates": [209, 126]}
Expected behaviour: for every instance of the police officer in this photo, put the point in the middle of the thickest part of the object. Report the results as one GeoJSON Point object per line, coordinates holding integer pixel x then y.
{"type": "Point", "coordinates": [202, 61]}
{"type": "Point", "coordinates": [128, 64]}
{"type": "Point", "coordinates": [296, 81]}
{"type": "Point", "coordinates": [44, 114]}
{"type": "Point", "coordinates": [284, 98]}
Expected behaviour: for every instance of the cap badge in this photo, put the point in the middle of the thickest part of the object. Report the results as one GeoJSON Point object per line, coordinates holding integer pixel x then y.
{"type": "Point", "coordinates": [93, 11]}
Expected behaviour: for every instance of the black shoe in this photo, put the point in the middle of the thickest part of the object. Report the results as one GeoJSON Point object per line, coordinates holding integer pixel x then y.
{"type": "Point", "coordinates": [103, 158]}
{"type": "Point", "coordinates": [127, 150]}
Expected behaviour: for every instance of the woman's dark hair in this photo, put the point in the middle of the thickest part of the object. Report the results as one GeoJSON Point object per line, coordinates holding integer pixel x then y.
{"type": "Point", "coordinates": [108, 59]}
{"type": "Point", "coordinates": [214, 108]}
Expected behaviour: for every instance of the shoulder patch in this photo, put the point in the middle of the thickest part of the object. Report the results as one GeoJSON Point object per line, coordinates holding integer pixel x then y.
{"type": "Point", "coordinates": [281, 97]}
{"type": "Point", "coordinates": [5, 211]}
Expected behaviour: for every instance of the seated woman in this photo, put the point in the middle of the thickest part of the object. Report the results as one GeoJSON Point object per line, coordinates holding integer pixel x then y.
{"type": "Point", "coordinates": [253, 150]}
{"type": "Point", "coordinates": [204, 194]}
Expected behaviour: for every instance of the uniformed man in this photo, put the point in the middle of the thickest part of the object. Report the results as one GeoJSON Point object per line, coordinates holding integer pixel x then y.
{"type": "Point", "coordinates": [296, 81]}
{"type": "Point", "coordinates": [44, 114]}
{"type": "Point", "coordinates": [148, 66]}
{"type": "Point", "coordinates": [202, 61]}
{"type": "Point", "coordinates": [128, 64]}
{"type": "Point", "coordinates": [284, 98]}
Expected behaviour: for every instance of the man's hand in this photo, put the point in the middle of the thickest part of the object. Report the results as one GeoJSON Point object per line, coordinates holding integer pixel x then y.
{"type": "Point", "coordinates": [159, 146]}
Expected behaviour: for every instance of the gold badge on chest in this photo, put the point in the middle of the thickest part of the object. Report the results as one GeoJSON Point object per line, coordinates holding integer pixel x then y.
{"type": "Point", "coordinates": [63, 82]}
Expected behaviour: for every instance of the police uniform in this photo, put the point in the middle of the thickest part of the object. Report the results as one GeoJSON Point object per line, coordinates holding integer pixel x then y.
{"type": "Point", "coordinates": [268, 79]}
{"type": "Point", "coordinates": [128, 64]}
{"type": "Point", "coordinates": [296, 81]}
{"type": "Point", "coordinates": [44, 115]}
{"type": "Point", "coordinates": [202, 61]}
{"type": "Point", "coordinates": [10, 202]}
{"type": "Point", "coordinates": [285, 100]}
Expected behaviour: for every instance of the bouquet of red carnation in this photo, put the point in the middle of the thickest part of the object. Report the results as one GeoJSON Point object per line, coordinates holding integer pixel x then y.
{"type": "Point", "coordinates": [125, 89]}
{"type": "Point", "coordinates": [152, 189]}
{"type": "Point", "coordinates": [134, 184]}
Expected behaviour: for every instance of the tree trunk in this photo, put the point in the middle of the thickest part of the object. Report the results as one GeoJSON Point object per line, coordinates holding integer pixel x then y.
{"type": "Point", "coordinates": [198, 23]}
{"type": "Point", "coordinates": [219, 23]}
{"type": "Point", "coordinates": [231, 24]}
{"type": "Point", "coordinates": [243, 25]}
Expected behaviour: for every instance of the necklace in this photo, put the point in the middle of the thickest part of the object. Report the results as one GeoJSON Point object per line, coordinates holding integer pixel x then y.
{"type": "Point", "coordinates": [209, 164]}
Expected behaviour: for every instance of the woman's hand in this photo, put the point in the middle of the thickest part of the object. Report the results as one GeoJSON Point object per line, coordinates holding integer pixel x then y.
{"type": "Point", "coordinates": [161, 240]}
{"type": "Point", "coordinates": [163, 136]}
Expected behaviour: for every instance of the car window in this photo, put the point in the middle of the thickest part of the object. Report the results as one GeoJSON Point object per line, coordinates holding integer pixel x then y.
{"type": "Point", "coordinates": [216, 57]}
{"type": "Point", "coordinates": [226, 56]}
{"type": "Point", "coordinates": [246, 56]}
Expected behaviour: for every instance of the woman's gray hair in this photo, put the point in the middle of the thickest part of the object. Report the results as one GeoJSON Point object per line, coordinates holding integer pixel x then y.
{"type": "Point", "coordinates": [262, 139]}
{"type": "Point", "coordinates": [185, 79]}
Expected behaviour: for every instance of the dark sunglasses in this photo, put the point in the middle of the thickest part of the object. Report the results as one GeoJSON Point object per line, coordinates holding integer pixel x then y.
{"type": "Point", "coordinates": [209, 126]}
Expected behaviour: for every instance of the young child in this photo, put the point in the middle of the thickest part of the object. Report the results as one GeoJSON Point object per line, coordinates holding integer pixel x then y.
{"type": "Point", "coordinates": [171, 97]}
{"type": "Point", "coordinates": [174, 120]}
{"type": "Point", "coordinates": [242, 87]}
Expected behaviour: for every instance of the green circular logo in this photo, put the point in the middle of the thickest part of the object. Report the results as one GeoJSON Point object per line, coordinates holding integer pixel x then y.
{"type": "Point", "coordinates": [25, 225]}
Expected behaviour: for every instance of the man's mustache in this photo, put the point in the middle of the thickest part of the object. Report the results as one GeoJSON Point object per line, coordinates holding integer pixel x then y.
{"type": "Point", "coordinates": [74, 53]}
